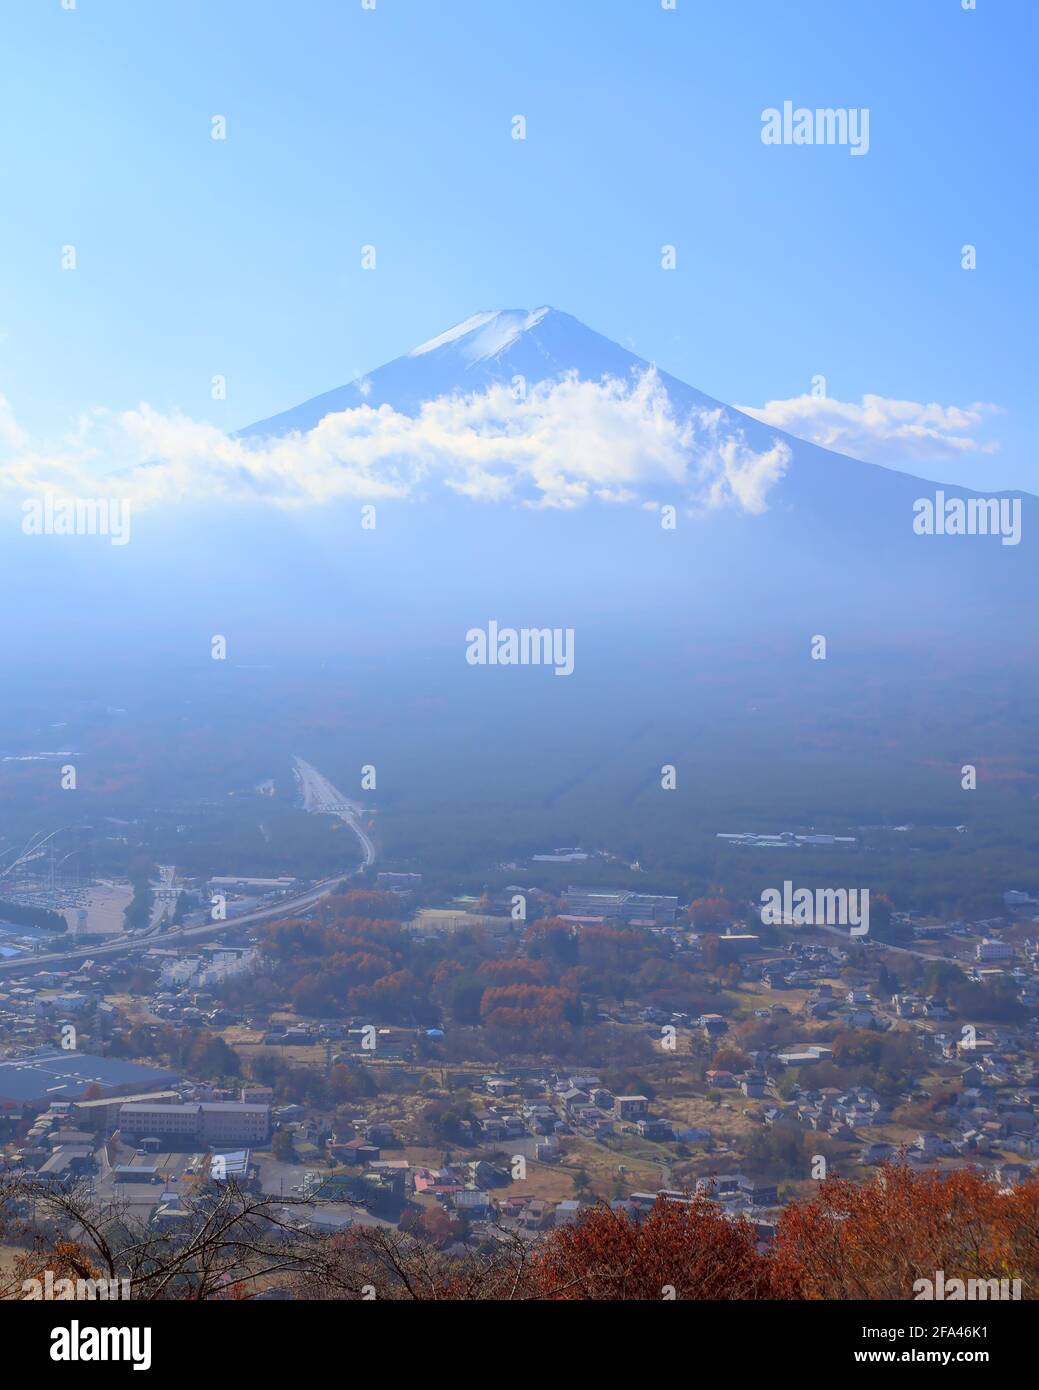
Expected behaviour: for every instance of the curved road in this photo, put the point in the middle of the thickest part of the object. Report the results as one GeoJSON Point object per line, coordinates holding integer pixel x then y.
{"type": "Point", "coordinates": [319, 797]}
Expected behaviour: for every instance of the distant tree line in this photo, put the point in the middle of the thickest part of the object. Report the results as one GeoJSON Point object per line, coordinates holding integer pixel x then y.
{"type": "Point", "coordinates": [20, 915]}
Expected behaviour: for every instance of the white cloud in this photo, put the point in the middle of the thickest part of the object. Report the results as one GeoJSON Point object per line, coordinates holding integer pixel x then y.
{"type": "Point", "coordinates": [567, 442]}
{"type": "Point", "coordinates": [880, 430]}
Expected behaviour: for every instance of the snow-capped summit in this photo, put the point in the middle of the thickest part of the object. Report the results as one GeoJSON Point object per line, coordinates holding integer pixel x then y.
{"type": "Point", "coordinates": [485, 335]}
{"type": "Point", "coordinates": [488, 348]}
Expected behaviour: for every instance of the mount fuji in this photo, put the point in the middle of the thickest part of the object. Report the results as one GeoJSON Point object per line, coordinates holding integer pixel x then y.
{"type": "Point", "coordinates": [485, 350]}
{"type": "Point", "coordinates": [831, 548]}
{"type": "Point", "coordinates": [691, 646]}
{"type": "Point", "coordinates": [834, 537]}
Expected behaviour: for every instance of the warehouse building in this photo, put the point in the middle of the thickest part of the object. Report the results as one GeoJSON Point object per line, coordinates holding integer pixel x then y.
{"type": "Point", "coordinates": [44, 1077]}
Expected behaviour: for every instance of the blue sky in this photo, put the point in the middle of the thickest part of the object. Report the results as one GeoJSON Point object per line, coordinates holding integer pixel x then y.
{"type": "Point", "coordinates": [348, 127]}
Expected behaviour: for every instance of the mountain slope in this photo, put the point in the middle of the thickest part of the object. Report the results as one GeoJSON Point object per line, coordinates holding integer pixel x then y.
{"type": "Point", "coordinates": [831, 521]}
{"type": "Point", "coordinates": [833, 551]}
{"type": "Point", "coordinates": [692, 646]}
{"type": "Point", "coordinates": [495, 347]}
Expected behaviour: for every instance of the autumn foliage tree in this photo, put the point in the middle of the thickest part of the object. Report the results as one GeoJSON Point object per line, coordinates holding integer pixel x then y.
{"type": "Point", "coordinates": [710, 913]}
{"type": "Point", "coordinates": [692, 1249]}
{"type": "Point", "coordinates": [514, 972]}
{"type": "Point", "coordinates": [869, 1240]}
{"type": "Point", "coordinates": [65, 1260]}
{"type": "Point", "coordinates": [874, 1240]}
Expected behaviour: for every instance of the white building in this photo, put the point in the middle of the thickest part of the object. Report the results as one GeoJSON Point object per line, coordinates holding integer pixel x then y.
{"type": "Point", "coordinates": [993, 950]}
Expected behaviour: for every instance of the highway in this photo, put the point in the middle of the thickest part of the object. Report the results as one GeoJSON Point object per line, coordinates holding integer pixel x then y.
{"type": "Point", "coordinates": [166, 893]}
{"type": "Point", "coordinates": [319, 797]}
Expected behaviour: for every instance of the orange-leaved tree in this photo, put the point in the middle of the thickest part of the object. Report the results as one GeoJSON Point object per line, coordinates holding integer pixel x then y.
{"type": "Point", "coordinates": [676, 1250]}
{"type": "Point", "coordinates": [875, 1240]}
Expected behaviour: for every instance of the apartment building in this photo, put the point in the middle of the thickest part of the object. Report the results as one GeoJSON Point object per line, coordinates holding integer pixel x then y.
{"type": "Point", "coordinates": [993, 950]}
{"type": "Point", "coordinates": [620, 905]}
{"type": "Point", "coordinates": [229, 1122]}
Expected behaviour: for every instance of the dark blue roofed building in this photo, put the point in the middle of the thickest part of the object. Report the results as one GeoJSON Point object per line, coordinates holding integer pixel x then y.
{"type": "Point", "coordinates": [58, 1075]}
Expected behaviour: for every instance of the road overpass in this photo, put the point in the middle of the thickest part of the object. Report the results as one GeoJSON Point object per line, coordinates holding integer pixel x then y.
{"type": "Point", "coordinates": [322, 798]}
